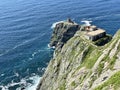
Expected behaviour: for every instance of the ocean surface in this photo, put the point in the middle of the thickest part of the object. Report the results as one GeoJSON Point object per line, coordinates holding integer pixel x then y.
{"type": "Point", "coordinates": [25, 31]}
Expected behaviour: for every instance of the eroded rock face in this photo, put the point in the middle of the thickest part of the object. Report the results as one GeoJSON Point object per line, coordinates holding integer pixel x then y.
{"type": "Point", "coordinates": [79, 64]}
{"type": "Point", "coordinates": [62, 33]}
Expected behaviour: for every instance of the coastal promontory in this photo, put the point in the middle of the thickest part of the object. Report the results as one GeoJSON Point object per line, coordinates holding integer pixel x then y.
{"type": "Point", "coordinates": [83, 59]}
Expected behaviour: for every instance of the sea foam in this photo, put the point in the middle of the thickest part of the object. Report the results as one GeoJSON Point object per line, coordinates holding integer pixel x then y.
{"type": "Point", "coordinates": [49, 47]}
{"type": "Point", "coordinates": [54, 24]}
{"type": "Point", "coordinates": [33, 86]}
{"type": "Point", "coordinates": [27, 86]}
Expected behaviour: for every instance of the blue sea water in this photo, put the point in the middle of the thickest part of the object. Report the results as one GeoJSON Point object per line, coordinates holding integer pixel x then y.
{"type": "Point", "coordinates": [25, 31]}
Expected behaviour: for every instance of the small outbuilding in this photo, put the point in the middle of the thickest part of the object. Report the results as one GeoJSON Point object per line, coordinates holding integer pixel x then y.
{"type": "Point", "coordinates": [95, 35]}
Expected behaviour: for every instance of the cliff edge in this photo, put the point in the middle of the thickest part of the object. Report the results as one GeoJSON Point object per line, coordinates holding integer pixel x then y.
{"type": "Point", "coordinates": [62, 32]}
{"type": "Point", "coordinates": [79, 64]}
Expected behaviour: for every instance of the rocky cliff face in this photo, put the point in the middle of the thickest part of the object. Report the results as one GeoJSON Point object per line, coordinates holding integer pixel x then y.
{"type": "Point", "coordinates": [79, 64]}
{"type": "Point", "coordinates": [62, 33]}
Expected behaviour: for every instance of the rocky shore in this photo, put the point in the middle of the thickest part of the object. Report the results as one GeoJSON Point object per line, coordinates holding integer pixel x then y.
{"type": "Point", "coordinates": [80, 64]}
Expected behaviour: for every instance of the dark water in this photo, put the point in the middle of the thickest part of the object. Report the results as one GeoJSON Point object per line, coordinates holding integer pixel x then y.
{"type": "Point", "coordinates": [25, 30]}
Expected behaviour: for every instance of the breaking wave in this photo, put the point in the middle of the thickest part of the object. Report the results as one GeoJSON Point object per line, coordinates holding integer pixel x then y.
{"type": "Point", "coordinates": [54, 24]}
{"type": "Point", "coordinates": [23, 84]}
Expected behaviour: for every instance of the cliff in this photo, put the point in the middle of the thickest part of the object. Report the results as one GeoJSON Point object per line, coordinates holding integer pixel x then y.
{"type": "Point", "coordinates": [79, 64]}
{"type": "Point", "coordinates": [63, 31]}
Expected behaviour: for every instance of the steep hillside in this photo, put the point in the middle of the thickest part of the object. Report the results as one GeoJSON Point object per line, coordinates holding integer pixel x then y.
{"type": "Point", "coordinates": [81, 65]}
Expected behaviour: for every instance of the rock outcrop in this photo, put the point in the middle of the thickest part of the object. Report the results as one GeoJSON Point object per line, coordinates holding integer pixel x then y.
{"type": "Point", "coordinates": [78, 64]}
{"type": "Point", "coordinates": [63, 31]}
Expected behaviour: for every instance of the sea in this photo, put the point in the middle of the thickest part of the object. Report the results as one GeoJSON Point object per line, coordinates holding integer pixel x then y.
{"type": "Point", "coordinates": [25, 32]}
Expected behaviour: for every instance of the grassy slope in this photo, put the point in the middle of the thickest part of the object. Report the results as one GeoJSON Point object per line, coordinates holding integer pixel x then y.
{"type": "Point", "coordinates": [114, 82]}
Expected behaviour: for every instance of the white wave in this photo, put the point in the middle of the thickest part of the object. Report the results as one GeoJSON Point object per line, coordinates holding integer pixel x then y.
{"type": "Point", "coordinates": [13, 84]}
{"type": "Point", "coordinates": [49, 47]}
{"type": "Point", "coordinates": [30, 58]}
{"type": "Point", "coordinates": [43, 69]}
{"type": "Point", "coordinates": [17, 74]}
{"type": "Point", "coordinates": [54, 24]}
{"type": "Point", "coordinates": [34, 54]}
{"type": "Point", "coordinates": [24, 84]}
{"type": "Point", "coordinates": [4, 88]}
{"type": "Point", "coordinates": [33, 86]}
{"type": "Point", "coordinates": [2, 75]}
{"type": "Point", "coordinates": [87, 23]}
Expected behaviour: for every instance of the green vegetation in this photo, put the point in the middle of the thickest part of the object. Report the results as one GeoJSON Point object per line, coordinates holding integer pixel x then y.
{"type": "Point", "coordinates": [112, 62]}
{"type": "Point", "coordinates": [99, 71]}
{"type": "Point", "coordinates": [100, 68]}
{"type": "Point", "coordinates": [113, 81]}
{"type": "Point", "coordinates": [82, 77]}
{"type": "Point", "coordinates": [91, 56]}
{"type": "Point", "coordinates": [73, 83]}
{"type": "Point", "coordinates": [62, 87]}
{"type": "Point", "coordinates": [92, 80]}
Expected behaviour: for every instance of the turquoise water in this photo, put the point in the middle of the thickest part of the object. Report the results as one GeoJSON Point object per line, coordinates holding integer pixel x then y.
{"type": "Point", "coordinates": [25, 30]}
